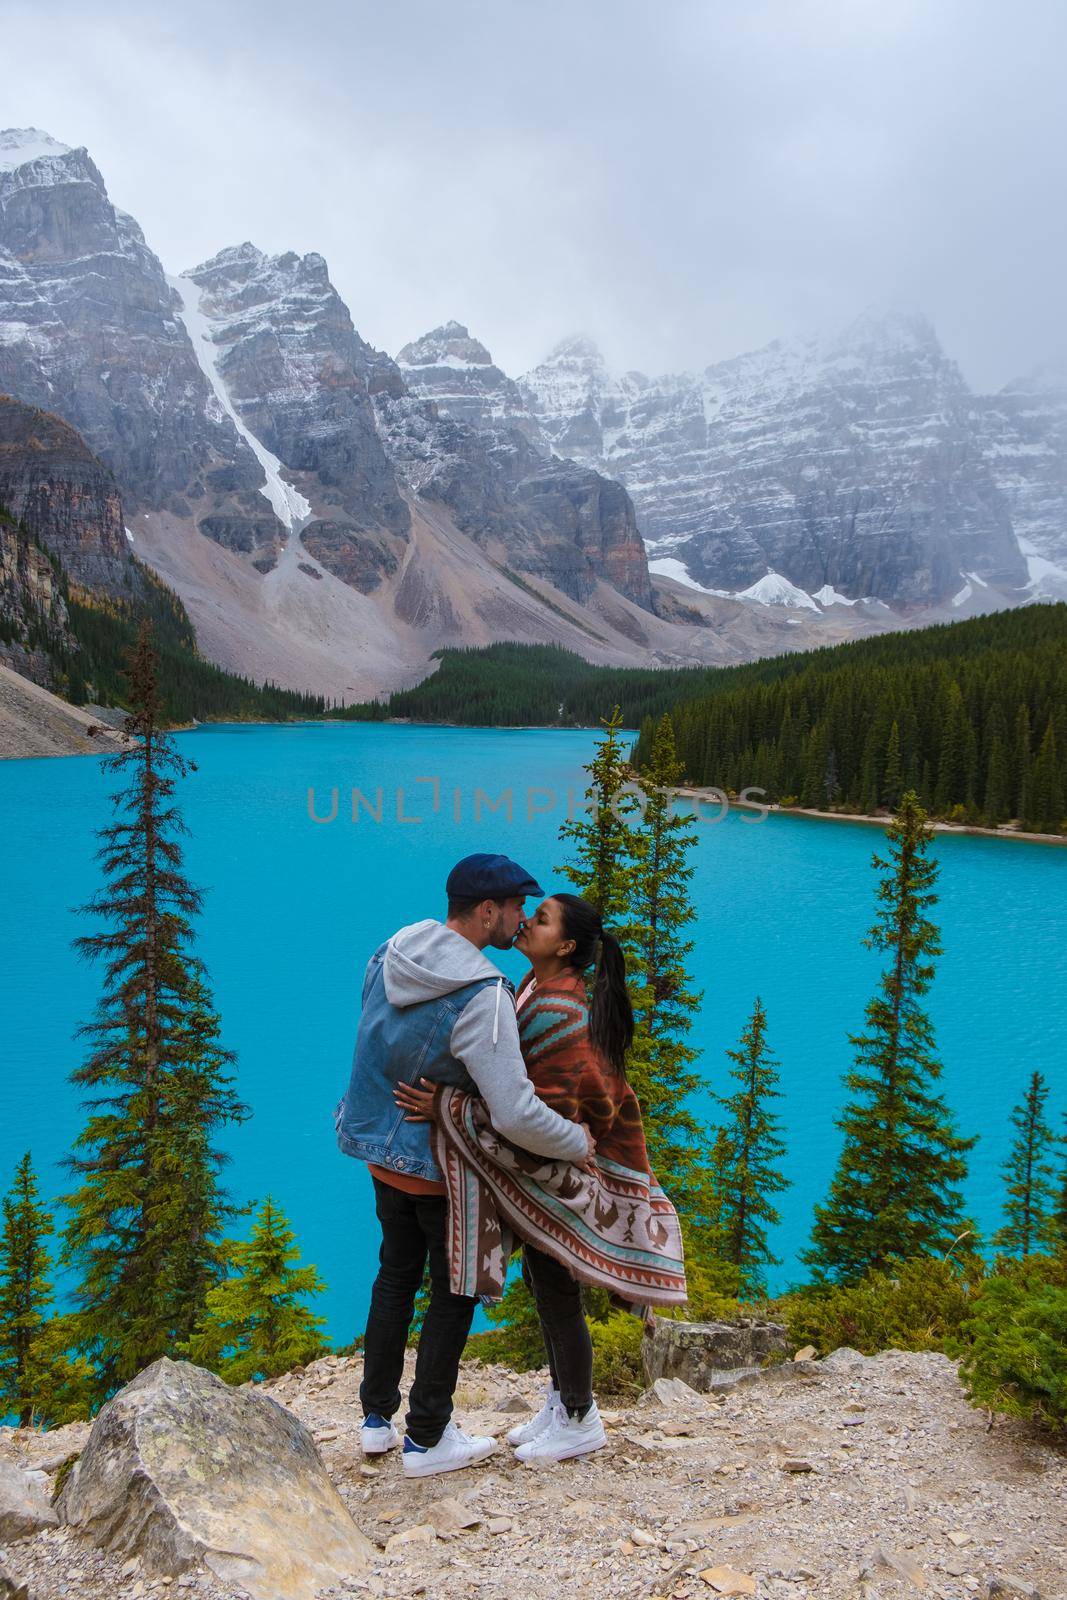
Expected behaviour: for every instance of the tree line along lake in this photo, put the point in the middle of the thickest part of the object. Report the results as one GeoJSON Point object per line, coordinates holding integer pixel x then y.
{"type": "Point", "coordinates": [301, 888]}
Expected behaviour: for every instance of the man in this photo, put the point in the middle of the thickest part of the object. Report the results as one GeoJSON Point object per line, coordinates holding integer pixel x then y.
{"type": "Point", "coordinates": [435, 1007]}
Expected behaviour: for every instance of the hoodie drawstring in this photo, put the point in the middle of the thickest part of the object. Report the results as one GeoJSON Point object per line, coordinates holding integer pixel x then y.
{"type": "Point", "coordinates": [496, 1010]}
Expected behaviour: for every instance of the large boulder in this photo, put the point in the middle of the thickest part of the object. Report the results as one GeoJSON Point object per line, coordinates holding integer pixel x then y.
{"type": "Point", "coordinates": [24, 1504]}
{"type": "Point", "coordinates": [180, 1468]}
{"type": "Point", "coordinates": [701, 1352]}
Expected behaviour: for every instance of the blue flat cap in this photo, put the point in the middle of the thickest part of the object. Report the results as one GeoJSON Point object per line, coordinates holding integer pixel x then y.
{"type": "Point", "coordinates": [485, 877]}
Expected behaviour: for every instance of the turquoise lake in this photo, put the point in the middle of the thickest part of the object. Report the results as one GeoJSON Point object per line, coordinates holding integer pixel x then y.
{"type": "Point", "coordinates": [294, 907]}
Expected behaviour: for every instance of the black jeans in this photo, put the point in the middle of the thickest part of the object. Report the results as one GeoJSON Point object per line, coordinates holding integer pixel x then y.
{"type": "Point", "coordinates": [563, 1327]}
{"type": "Point", "coordinates": [413, 1229]}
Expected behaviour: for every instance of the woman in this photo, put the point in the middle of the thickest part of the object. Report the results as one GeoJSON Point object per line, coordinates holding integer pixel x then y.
{"type": "Point", "coordinates": [615, 1228]}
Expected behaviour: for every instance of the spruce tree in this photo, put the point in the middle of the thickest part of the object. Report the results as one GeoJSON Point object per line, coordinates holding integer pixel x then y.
{"type": "Point", "coordinates": [25, 1301]}
{"type": "Point", "coordinates": [754, 1148]}
{"type": "Point", "coordinates": [254, 1325]}
{"type": "Point", "coordinates": [1030, 1198]}
{"type": "Point", "coordinates": [894, 1192]}
{"type": "Point", "coordinates": [660, 1066]}
{"type": "Point", "coordinates": [893, 777]}
{"type": "Point", "coordinates": [604, 840]}
{"type": "Point", "coordinates": [144, 1234]}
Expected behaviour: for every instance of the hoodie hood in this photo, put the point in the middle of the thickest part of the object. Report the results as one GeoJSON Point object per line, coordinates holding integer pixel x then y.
{"type": "Point", "coordinates": [426, 960]}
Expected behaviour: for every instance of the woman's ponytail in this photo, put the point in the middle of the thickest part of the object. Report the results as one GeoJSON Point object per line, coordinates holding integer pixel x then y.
{"type": "Point", "coordinates": [611, 1017]}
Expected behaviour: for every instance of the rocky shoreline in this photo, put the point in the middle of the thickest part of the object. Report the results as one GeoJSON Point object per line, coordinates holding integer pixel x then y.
{"type": "Point", "coordinates": [847, 1477]}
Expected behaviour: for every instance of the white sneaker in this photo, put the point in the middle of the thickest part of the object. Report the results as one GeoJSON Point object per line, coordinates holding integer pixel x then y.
{"type": "Point", "coordinates": [526, 1432]}
{"type": "Point", "coordinates": [452, 1451]}
{"type": "Point", "coordinates": [378, 1435]}
{"type": "Point", "coordinates": [566, 1436]}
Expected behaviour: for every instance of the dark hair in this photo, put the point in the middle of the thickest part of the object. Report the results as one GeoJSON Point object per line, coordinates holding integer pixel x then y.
{"type": "Point", "coordinates": [611, 1017]}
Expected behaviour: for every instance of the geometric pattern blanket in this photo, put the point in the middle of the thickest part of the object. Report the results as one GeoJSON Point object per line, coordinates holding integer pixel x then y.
{"type": "Point", "coordinates": [615, 1229]}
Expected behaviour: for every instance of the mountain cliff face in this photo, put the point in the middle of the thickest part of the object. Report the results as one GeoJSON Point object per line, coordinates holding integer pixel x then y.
{"type": "Point", "coordinates": [283, 353]}
{"type": "Point", "coordinates": [557, 520]}
{"type": "Point", "coordinates": [33, 612]}
{"type": "Point", "coordinates": [90, 331]}
{"type": "Point", "coordinates": [239, 409]}
{"type": "Point", "coordinates": [850, 462]}
{"type": "Point", "coordinates": [51, 481]}
{"type": "Point", "coordinates": [1024, 436]}
{"type": "Point", "coordinates": [458, 374]}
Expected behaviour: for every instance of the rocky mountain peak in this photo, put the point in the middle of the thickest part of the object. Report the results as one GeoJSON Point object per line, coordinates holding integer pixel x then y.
{"type": "Point", "coordinates": [577, 347]}
{"type": "Point", "coordinates": [456, 372]}
{"type": "Point", "coordinates": [19, 146]}
{"type": "Point", "coordinates": [451, 343]}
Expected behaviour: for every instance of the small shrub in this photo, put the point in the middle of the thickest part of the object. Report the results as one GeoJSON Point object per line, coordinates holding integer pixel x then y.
{"type": "Point", "coordinates": [1017, 1360]}
{"type": "Point", "coordinates": [617, 1365]}
{"type": "Point", "coordinates": [920, 1305]}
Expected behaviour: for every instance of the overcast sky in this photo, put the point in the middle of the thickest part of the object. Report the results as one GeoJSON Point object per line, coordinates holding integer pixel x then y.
{"type": "Point", "coordinates": [682, 179]}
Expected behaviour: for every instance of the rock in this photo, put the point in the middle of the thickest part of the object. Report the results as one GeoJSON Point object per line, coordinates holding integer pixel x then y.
{"type": "Point", "coordinates": [47, 1452]}
{"type": "Point", "coordinates": [11, 1588]}
{"type": "Point", "coordinates": [807, 1353]}
{"type": "Point", "coordinates": [708, 1525]}
{"type": "Point", "coordinates": [24, 1504]}
{"type": "Point", "coordinates": [844, 1357]}
{"type": "Point", "coordinates": [500, 1524]}
{"type": "Point", "coordinates": [958, 1539]}
{"type": "Point", "coordinates": [644, 1539]}
{"type": "Point", "coordinates": [515, 1405]}
{"type": "Point", "coordinates": [903, 1565]}
{"type": "Point", "coordinates": [670, 1392]}
{"type": "Point", "coordinates": [797, 1464]}
{"type": "Point", "coordinates": [725, 1580]}
{"type": "Point", "coordinates": [179, 1468]}
{"type": "Point", "coordinates": [451, 1516]}
{"type": "Point", "coordinates": [421, 1533]}
{"type": "Point", "coordinates": [699, 1352]}
{"type": "Point", "coordinates": [1011, 1586]}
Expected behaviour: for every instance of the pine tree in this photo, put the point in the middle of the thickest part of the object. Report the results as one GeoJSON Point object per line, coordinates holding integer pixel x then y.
{"type": "Point", "coordinates": [893, 777]}
{"type": "Point", "coordinates": [254, 1325]}
{"type": "Point", "coordinates": [1059, 1215]}
{"type": "Point", "coordinates": [25, 1300]}
{"type": "Point", "coordinates": [605, 841]}
{"type": "Point", "coordinates": [660, 1064]}
{"type": "Point", "coordinates": [893, 1194]}
{"type": "Point", "coordinates": [1046, 790]}
{"type": "Point", "coordinates": [754, 1147]}
{"type": "Point", "coordinates": [147, 1216]}
{"type": "Point", "coordinates": [1030, 1198]}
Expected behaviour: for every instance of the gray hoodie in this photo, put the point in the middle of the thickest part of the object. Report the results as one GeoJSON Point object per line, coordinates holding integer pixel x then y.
{"type": "Point", "coordinates": [428, 959]}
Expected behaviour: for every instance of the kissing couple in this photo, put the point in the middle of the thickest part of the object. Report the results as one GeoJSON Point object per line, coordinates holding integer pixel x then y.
{"type": "Point", "coordinates": [489, 1118]}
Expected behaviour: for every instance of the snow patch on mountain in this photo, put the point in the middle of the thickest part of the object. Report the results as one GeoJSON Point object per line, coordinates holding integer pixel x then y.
{"type": "Point", "coordinates": [1046, 580]}
{"type": "Point", "coordinates": [668, 567]}
{"type": "Point", "coordinates": [775, 590]}
{"type": "Point", "coordinates": [21, 145]}
{"type": "Point", "coordinates": [288, 504]}
{"type": "Point", "coordinates": [828, 596]}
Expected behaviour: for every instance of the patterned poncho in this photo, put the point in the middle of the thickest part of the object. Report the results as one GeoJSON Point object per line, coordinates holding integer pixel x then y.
{"type": "Point", "coordinates": [614, 1229]}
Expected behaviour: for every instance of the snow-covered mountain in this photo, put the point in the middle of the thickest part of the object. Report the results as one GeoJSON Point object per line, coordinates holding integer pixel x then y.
{"type": "Point", "coordinates": [88, 329]}
{"type": "Point", "coordinates": [458, 374]}
{"type": "Point", "coordinates": [1024, 437]}
{"type": "Point", "coordinates": [331, 517]}
{"type": "Point", "coordinates": [325, 526]}
{"type": "Point", "coordinates": [851, 461]}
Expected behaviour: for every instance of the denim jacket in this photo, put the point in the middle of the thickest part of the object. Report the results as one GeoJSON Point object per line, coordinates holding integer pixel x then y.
{"type": "Point", "coordinates": [400, 1044]}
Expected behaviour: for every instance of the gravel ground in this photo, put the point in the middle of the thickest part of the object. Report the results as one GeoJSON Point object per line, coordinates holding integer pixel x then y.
{"type": "Point", "coordinates": [846, 1477]}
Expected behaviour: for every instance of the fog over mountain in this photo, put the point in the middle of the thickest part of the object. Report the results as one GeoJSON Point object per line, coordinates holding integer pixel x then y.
{"type": "Point", "coordinates": [683, 183]}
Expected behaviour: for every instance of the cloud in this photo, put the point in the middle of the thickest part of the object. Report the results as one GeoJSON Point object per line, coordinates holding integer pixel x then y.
{"type": "Point", "coordinates": [683, 181]}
